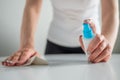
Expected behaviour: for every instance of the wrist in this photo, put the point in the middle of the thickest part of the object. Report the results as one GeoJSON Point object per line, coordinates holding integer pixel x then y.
{"type": "Point", "coordinates": [30, 45]}
{"type": "Point", "coordinates": [110, 40]}
{"type": "Point", "coordinates": [27, 42]}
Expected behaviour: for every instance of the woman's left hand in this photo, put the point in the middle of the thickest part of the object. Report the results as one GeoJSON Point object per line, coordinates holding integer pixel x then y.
{"type": "Point", "coordinates": [100, 49]}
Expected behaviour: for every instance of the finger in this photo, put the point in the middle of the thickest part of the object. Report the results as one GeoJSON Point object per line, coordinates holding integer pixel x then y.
{"type": "Point", "coordinates": [35, 54]}
{"type": "Point", "coordinates": [98, 51]}
{"type": "Point", "coordinates": [9, 61]}
{"type": "Point", "coordinates": [15, 59]}
{"type": "Point", "coordinates": [91, 23]}
{"type": "Point", "coordinates": [6, 61]}
{"type": "Point", "coordinates": [95, 43]}
{"type": "Point", "coordinates": [106, 58]}
{"type": "Point", "coordinates": [24, 57]}
{"type": "Point", "coordinates": [103, 55]}
{"type": "Point", "coordinates": [81, 42]}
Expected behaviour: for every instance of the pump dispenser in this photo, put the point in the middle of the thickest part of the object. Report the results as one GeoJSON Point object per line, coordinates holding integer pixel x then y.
{"type": "Point", "coordinates": [88, 35]}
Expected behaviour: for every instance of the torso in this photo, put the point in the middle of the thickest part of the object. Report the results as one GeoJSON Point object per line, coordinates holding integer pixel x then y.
{"type": "Point", "coordinates": [68, 16]}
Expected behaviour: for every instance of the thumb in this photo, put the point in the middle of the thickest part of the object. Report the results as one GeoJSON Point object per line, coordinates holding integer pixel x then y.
{"type": "Point", "coordinates": [81, 42]}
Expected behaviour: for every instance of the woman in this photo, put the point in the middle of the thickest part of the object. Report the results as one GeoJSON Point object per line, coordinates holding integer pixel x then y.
{"type": "Point", "coordinates": [66, 28]}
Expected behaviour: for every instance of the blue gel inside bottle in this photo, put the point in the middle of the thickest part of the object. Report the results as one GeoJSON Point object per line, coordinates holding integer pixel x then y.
{"type": "Point", "coordinates": [87, 31]}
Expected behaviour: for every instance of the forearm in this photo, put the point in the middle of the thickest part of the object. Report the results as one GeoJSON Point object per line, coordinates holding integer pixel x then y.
{"type": "Point", "coordinates": [29, 23]}
{"type": "Point", "coordinates": [110, 20]}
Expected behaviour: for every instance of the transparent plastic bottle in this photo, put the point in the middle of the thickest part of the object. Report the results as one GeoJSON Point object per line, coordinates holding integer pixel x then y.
{"type": "Point", "coordinates": [88, 35]}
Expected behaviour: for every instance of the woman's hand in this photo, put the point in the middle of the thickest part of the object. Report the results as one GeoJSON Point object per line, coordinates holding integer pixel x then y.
{"type": "Point", "coordinates": [20, 57]}
{"type": "Point", "coordinates": [100, 49]}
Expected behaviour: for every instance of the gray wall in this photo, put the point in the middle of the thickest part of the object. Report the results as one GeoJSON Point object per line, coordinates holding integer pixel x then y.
{"type": "Point", "coordinates": [10, 21]}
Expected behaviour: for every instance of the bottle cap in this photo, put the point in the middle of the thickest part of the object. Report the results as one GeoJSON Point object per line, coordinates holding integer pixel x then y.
{"type": "Point", "coordinates": [87, 31]}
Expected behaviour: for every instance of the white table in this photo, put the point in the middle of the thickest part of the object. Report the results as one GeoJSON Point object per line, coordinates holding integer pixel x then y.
{"type": "Point", "coordinates": [65, 67]}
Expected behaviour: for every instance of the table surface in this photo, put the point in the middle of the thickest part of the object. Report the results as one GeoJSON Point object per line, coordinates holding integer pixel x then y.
{"type": "Point", "coordinates": [65, 67]}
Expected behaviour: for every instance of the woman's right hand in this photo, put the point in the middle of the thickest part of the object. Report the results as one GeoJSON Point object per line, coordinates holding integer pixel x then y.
{"type": "Point", "coordinates": [20, 57]}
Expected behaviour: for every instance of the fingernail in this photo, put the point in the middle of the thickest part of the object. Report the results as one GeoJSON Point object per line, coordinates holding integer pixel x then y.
{"type": "Point", "coordinates": [11, 62]}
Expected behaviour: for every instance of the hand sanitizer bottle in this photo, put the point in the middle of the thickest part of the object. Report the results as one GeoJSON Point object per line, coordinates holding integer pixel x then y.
{"type": "Point", "coordinates": [88, 35]}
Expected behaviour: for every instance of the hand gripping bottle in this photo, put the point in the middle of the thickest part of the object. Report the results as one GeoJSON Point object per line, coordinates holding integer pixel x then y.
{"type": "Point", "coordinates": [88, 35]}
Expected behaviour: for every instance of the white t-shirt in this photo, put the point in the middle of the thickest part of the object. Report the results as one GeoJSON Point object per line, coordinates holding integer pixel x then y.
{"type": "Point", "coordinates": [68, 16]}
